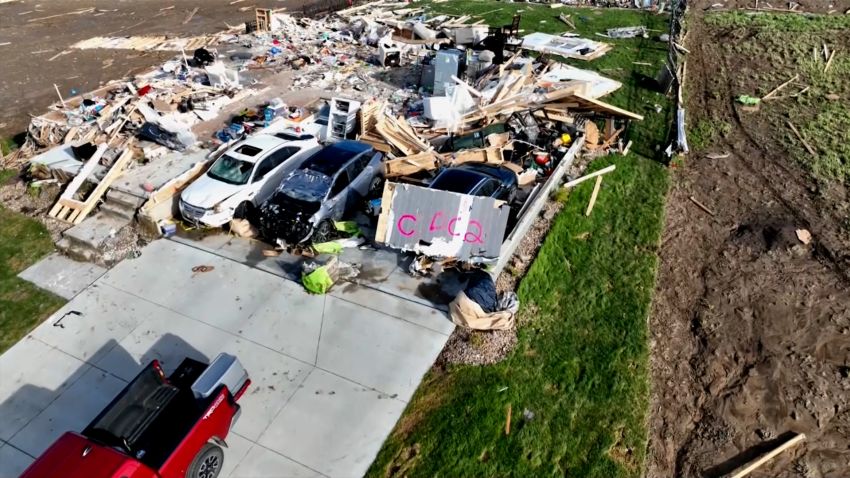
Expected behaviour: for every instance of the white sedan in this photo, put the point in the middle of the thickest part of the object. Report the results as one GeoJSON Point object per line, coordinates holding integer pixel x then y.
{"type": "Point", "coordinates": [244, 176]}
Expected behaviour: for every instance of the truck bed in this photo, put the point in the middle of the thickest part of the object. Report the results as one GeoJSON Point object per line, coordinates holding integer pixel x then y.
{"type": "Point", "coordinates": [151, 417]}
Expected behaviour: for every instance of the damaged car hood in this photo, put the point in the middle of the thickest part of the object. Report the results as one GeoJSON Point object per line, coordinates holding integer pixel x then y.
{"type": "Point", "coordinates": [206, 192]}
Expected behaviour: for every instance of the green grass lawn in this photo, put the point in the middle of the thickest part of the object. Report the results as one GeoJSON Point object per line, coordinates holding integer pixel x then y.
{"type": "Point", "coordinates": [23, 241]}
{"type": "Point", "coordinates": [581, 363]}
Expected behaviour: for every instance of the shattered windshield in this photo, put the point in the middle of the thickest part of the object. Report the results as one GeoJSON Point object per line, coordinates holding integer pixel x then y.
{"type": "Point", "coordinates": [306, 185]}
{"type": "Point", "coordinates": [231, 170]}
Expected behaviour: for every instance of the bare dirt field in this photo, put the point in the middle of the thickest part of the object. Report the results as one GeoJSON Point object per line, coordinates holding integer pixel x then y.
{"type": "Point", "coordinates": [38, 30]}
{"type": "Point", "coordinates": [751, 326]}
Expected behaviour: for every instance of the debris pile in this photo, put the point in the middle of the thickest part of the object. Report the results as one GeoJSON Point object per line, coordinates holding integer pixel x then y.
{"type": "Point", "coordinates": [469, 128]}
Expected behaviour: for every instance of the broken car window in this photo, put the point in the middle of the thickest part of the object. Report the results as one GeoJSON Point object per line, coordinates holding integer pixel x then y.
{"type": "Point", "coordinates": [488, 188]}
{"type": "Point", "coordinates": [274, 160]}
{"type": "Point", "coordinates": [231, 170]}
{"type": "Point", "coordinates": [340, 183]}
{"type": "Point", "coordinates": [249, 150]}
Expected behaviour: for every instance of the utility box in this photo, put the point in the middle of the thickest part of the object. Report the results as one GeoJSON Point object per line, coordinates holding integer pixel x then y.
{"type": "Point", "coordinates": [446, 64]}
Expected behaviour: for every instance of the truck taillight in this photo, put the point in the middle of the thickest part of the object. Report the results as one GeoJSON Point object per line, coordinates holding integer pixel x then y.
{"type": "Point", "coordinates": [242, 390]}
{"type": "Point", "coordinates": [159, 371]}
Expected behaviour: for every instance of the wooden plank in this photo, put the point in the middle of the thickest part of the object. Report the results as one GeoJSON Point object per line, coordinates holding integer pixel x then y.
{"type": "Point", "coordinates": [191, 14]}
{"type": "Point", "coordinates": [783, 85]}
{"type": "Point", "coordinates": [114, 172]}
{"type": "Point", "coordinates": [71, 203]}
{"type": "Point", "coordinates": [769, 456]}
{"type": "Point", "coordinates": [592, 175]}
{"type": "Point", "coordinates": [81, 176]}
{"type": "Point", "coordinates": [386, 206]}
{"type": "Point", "coordinates": [491, 155]}
{"type": "Point", "coordinates": [407, 165]}
{"type": "Point", "coordinates": [829, 61]}
{"type": "Point", "coordinates": [593, 195]}
{"type": "Point", "coordinates": [800, 137]}
{"type": "Point", "coordinates": [701, 205]}
{"type": "Point", "coordinates": [602, 107]}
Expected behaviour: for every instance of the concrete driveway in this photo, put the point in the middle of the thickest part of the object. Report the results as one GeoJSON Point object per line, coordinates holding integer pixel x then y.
{"type": "Point", "coordinates": [331, 374]}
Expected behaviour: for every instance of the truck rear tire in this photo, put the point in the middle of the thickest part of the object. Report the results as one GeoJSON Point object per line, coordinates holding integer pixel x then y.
{"type": "Point", "coordinates": [207, 463]}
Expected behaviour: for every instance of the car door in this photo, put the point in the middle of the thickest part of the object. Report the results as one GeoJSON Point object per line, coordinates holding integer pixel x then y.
{"type": "Point", "coordinates": [279, 168]}
{"type": "Point", "coordinates": [360, 177]}
{"type": "Point", "coordinates": [337, 200]}
{"type": "Point", "coordinates": [263, 167]}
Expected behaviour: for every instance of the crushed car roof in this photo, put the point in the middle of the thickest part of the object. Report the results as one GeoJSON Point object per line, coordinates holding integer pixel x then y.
{"type": "Point", "coordinates": [330, 159]}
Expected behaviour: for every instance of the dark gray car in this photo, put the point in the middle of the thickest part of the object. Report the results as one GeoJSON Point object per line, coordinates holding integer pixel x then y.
{"type": "Point", "coordinates": [324, 188]}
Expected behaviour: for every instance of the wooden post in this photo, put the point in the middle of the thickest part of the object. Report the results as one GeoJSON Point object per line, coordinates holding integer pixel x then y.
{"type": "Point", "coordinates": [761, 461]}
{"type": "Point", "coordinates": [800, 137]}
{"type": "Point", "coordinates": [609, 127]}
{"type": "Point", "coordinates": [508, 421]}
{"type": "Point", "coordinates": [61, 100]}
{"type": "Point", "coordinates": [593, 195]}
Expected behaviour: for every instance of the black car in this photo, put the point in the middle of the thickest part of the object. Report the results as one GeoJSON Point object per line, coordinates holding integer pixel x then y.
{"type": "Point", "coordinates": [475, 179]}
{"type": "Point", "coordinates": [324, 188]}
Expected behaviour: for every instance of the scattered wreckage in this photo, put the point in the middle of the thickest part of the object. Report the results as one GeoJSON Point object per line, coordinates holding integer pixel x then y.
{"type": "Point", "coordinates": [453, 166]}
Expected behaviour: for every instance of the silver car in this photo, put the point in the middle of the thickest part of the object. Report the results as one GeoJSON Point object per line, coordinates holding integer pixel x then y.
{"type": "Point", "coordinates": [324, 188]}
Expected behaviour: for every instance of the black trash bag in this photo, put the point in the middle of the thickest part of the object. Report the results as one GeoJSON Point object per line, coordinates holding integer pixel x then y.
{"type": "Point", "coordinates": [152, 132]}
{"type": "Point", "coordinates": [84, 152]}
{"type": "Point", "coordinates": [203, 57]}
{"type": "Point", "coordinates": [482, 290]}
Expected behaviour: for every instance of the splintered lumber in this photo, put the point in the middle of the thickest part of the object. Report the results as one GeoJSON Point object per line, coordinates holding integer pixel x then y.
{"type": "Point", "coordinates": [74, 211]}
{"type": "Point", "coordinates": [492, 155]}
{"type": "Point", "coordinates": [592, 175]}
{"type": "Point", "coordinates": [74, 185]}
{"type": "Point", "coordinates": [800, 137]}
{"type": "Point", "coordinates": [593, 195]}
{"type": "Point", "coordinates": [407, 165]}
{"type": "Point", "coordinates": [566, 19]}
{"type": "Point", "coordinates": [368, 116]}
{"type": "Point", "coordinates": [769, 456]}
{"type": "Point", "coordinates": [591, 135]}
{"type": "Point", "coordinates": [401, 135]}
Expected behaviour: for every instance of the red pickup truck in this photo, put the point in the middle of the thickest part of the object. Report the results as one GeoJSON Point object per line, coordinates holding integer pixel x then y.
{"type": "Point", "coordinates": [157, 427]}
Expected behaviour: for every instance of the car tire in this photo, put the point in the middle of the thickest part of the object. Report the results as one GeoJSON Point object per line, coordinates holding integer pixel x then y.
{"type": "Point", "coordinates": [322, 232]}
{"type": "Point", "coordinates": [207, 463]}
{"type": "Point", "coordinates": [245, 210]}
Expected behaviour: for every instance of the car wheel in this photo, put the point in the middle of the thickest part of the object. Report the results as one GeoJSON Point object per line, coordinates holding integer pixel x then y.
{"type": "Point", "coordinates": [207, 463]}
{"type": "Point", "coordinates": [245, 210]}
{"type": "Point", "coordinates": [323, 232]}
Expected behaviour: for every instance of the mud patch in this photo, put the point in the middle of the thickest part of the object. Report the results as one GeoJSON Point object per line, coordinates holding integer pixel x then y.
{"type": "Point", "coordinates": [750, 328]}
